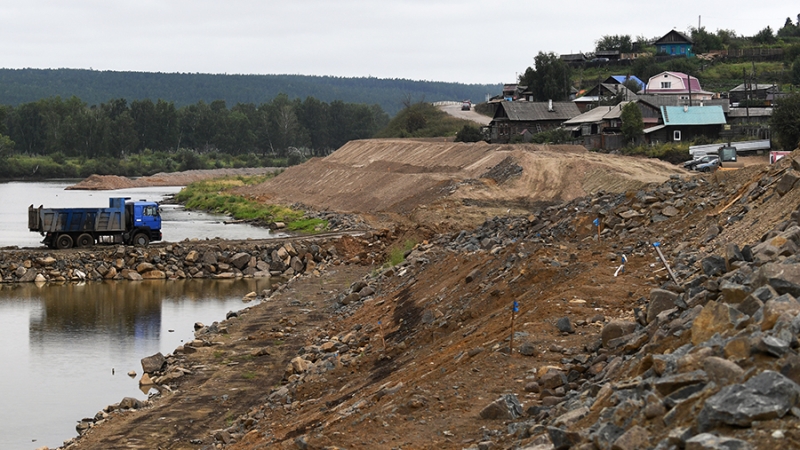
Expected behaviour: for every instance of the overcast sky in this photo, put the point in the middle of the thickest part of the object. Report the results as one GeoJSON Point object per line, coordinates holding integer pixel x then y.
{"type": "Point", "coordinates": [467, 41]}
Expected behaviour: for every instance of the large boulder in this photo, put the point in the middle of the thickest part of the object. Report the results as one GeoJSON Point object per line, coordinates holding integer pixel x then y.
{"type": "Point", "coordinates": [715, 318]}
{"type": "Point", "coordinates": [660, 300]}
{"type": "Point", "coordinates": [768, 395]}
{"type": "Point", "coordinates": [153, 363]}
{"type": "Point", "coordinates": [506, 407]}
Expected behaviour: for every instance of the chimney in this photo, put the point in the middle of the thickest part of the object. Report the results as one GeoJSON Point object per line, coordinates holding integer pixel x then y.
{"type": "Point", "coordinates": [550, 105]}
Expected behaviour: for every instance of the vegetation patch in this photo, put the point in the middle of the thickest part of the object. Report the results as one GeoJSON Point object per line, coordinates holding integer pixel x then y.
{"type": "Point", "coordinates": [217, 196]}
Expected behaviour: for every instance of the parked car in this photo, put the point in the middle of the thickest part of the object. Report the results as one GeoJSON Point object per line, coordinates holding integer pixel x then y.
{"type": "Point", "coordinates": [709, 166]}
{"type": "Point", "coordinates": [692, 164]}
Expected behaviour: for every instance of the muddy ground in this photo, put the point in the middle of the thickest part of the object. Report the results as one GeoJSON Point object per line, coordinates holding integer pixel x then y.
{"type": "Point", "coordinates": [413, 364]}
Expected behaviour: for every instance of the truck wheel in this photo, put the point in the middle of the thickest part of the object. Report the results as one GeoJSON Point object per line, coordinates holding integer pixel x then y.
{"type": "Point", "coordinates": [64, 241]}
{"type": "Point", "coordinates": [141, 240]}
{"type": "Point", "coordinates": [84, 240]}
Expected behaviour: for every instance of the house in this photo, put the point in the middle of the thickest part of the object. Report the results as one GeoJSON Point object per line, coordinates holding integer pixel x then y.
{"type": "Point", "coordinates": [512, 119]}
{"type": "Point", "coordinates": [686, 123]}
{"type": "Point", "coordinates": [574, 59]}
{"type": "Point", "coordinates": [675, 43]}
{"type": "Point", "coordinates": [684, 87]}
{"type": "Point", "coordinates": [604, 94]}
{"type": "Point", "coordinates": [765, 94]}
{"type": "Point", "coordinates": [601, 127]}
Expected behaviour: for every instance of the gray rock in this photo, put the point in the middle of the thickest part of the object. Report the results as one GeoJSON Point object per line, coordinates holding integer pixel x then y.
{"type": "Point", "coordinates": [708, 441]}
{"type": "Point", "coordinates": [605, 436]}
{"type": "Point", "coordinates": [616, 329]}
{"type": "Point", "coordinates": [506, 407]}
{"type": "Point", "coordinates": [528, 349]}
{"type": "Point", "coordinates": [772, 346]}
{"type": "Point", "coordinates": [786, 183]}
{"type": "Point", "coordinates": [660, 300]}
{"type": "Point", "coordinates": [768, 395]}
{"type": "Point", "coordinates": [130, 403]}
{"type": "Point", "coordinates": [240, 260]}
{"type": "Point", "coordinates": [553, 379]}
{"type": "Point", "coordinates": [713, 265]}
{"type": "Point", "coordinates": [563, 439]}
{"type": "Point", "coordinates": [669, 384]}
{"type": "Point", "coordinates": [153, 363]}
{"type": "Point", "coordinates": [564, 325]}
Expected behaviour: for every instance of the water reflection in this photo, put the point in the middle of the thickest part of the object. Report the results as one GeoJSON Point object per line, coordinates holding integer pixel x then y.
{"type": "Point", "coordinates": [62, 341]}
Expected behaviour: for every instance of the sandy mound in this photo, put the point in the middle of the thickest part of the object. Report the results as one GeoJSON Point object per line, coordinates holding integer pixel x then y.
{"type": "Point", "coordinates": [405, 178]}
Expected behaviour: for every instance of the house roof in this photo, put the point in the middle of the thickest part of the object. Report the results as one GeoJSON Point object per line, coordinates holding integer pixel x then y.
{"type": "Point", "coordinates": [598, 114]}
{"type": "Point", "coordinates": [693, 115]}
{"type": "Point", "coordinates": [755, 87]}
{"type": "Point", "coordinates": [674, 100]}
{"type": "Point", "coordinates": [538, 111]}
{"type": "Point", "coordinates": [686, 80]}
{"type": "Point", "coordinates": [620, 79]}
{"type": "Point", "coordinates": [674, 37]}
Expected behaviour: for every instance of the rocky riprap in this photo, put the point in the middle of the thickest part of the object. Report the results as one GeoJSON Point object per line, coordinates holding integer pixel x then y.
{"type": "Point", "coordinates": [184, 260]}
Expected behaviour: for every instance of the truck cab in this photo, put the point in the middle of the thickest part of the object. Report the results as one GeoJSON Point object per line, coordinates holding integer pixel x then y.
{"type": "Point", "coordinates": [144, 222]}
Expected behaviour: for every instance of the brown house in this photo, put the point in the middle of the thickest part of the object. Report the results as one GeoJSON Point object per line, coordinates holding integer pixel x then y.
{"type": "Point", "coordinates": [524, 119]}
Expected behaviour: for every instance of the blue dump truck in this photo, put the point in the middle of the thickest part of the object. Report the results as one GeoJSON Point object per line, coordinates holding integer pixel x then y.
{"type": "Point", "coordinates": [123, 222]}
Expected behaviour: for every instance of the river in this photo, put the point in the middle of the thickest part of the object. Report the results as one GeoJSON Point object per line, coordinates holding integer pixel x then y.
{"type": "Point", "coordinates": [67, 349]}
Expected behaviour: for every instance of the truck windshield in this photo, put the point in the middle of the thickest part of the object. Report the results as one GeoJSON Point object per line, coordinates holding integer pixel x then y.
{"type": "Point", "coordinates": [150, 211]}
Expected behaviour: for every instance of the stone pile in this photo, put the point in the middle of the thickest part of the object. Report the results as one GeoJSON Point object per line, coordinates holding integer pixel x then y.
{"type": "Point", "coordinates": [720, 351]}
{"type": "Point", "coordinates": [183, 260]}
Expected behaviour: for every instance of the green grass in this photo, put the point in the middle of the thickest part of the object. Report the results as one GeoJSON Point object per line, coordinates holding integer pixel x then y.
{"type": "Point", "coordinates": [397, 254]}
{"type": "Point", "coordinates": [249, 375]}
{"type": "Point", "coordinates": [218, 196]}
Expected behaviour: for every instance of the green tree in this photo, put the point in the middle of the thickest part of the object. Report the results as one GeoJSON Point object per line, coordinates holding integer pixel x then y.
{"type": "Point", "coordinates": [6, 147]}
{"type": "Point", "coordinates": [621, 42]}
{"type": "Point", "coordinates": [549, 80]}
{"type": "Point", "coordinates": [765, 36]}
{"type": "Point", "coordinates": [632, 122]}
{"type": "Point", "coordinates": [785, 122]}
{"type": "Point", "coordinates": [469, 134]}
{"type": "Point", "coordinates": [705, 41]}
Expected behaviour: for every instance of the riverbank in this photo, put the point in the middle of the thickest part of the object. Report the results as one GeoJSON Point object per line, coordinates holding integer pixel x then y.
{"type": "Point", "coordinates": [217, 259]}
{"type": "Point", "coordinates": [111, 182]}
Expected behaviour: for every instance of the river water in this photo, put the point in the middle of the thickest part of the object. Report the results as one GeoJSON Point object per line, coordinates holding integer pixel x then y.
{"type": "Point", "coordinates": [66, 349]}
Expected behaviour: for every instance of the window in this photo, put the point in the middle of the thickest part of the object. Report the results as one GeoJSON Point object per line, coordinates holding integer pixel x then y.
{"type": "Point", "coordinates": [666, 84]}
{"type": "Point", "coordinates": [150, 211]}
{"type": "Point", "coordinates": [676, 135]}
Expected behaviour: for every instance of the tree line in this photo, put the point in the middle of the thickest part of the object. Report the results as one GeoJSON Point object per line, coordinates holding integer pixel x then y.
{"type": "Point", "coordinates": [116, 128]}
{"type": "Point", "coordinates": [20, 86]}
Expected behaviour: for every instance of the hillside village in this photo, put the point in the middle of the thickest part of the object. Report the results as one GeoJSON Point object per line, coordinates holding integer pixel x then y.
{"type": "Point", "coordinates": [674, 105]}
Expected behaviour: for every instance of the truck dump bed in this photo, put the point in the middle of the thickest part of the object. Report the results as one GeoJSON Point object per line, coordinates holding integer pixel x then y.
{"type": "Point", "coordinates": [63, 220]}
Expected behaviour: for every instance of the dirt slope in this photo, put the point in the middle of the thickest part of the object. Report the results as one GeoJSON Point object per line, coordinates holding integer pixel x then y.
{"type": "Point", "coordinates": [414, 363]}
{"type": "Point", "coordinates": [108, 182]}
{"type": "Point", "coordinates": [404, 179]}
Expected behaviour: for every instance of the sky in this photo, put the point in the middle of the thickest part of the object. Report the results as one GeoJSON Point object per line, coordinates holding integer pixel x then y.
{"type": "Point", "coordinates": [464, 41]}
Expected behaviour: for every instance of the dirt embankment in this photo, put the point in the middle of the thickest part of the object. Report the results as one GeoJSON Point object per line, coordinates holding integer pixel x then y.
{"type": "Point", "coordinates": [111, 182]}
{"type": "Point", "coordinates": [451, 186]}
{"type": "Point", "coordinates": [420, 356]}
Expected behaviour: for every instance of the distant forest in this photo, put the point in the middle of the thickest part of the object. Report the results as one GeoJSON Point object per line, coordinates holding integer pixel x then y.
{"type": "Point", "coordinates": [18, 86]}
{"type": "Point", "coordinates": [116, 129]}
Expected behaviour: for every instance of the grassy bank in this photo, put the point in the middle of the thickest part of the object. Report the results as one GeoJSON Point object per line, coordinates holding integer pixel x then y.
{"type": "Point", "coordinates": [218, 196]}
{"type": "Point", "coordinates": [146, 163]}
